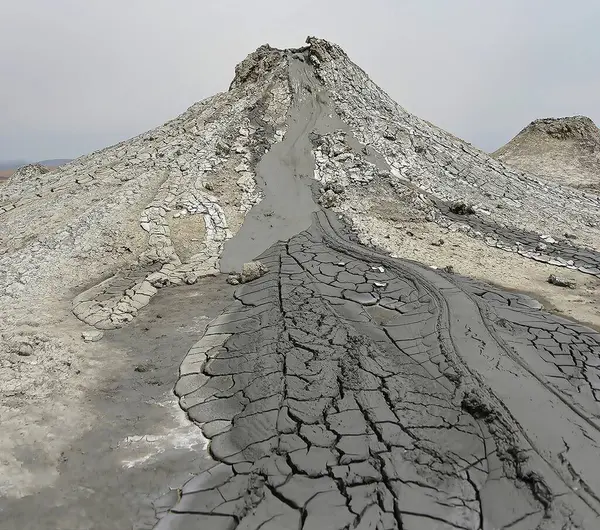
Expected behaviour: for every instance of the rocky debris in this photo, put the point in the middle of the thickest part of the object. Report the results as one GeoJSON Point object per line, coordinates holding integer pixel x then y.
{"type": "Point", "coordinates": [438, 243]}
{"type": "Point", "coordinates": [330, 199]}
{"type": "Point", "coordinates": [145, 367]}
{"type": "Point", "coordinates": [564, 150]}
{"type": "Point", "coordinates": [250, 271]}
{"type": "Point", "coordinates": [23, 345]}
{"type": "Point", "coordinates": [25, 349]}
{"type": "Point", "coordinates": [233, 279]}
{"type": "Point", "coordinates": [561, 281]}
{"type": "Point", "coordinates": [460, 208]}
{"type": "Point", "coordinates": [190, 278]}
{"type": "Point", "coordinates": [331, 194]}
{"type": "Point", "coordinates": [92, 336]}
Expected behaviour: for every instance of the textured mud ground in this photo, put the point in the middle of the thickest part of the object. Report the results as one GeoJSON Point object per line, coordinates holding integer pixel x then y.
{"type": "Point", "coordinates": [142, 447]}
{"type": "Point", "coordinates": [565, 150]}
{"type": "Point", "coordinates": [343, 389]}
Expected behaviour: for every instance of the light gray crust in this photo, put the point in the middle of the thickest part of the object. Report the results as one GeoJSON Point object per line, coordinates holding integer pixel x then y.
{"type": "Point", "coordinates": [564, 150]}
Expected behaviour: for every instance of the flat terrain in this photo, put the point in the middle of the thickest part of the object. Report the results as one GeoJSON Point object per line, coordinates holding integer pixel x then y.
{"type": "Point", "coordinates": [6, 173]}
{"type": "Point", "coordinates": [116, 435]}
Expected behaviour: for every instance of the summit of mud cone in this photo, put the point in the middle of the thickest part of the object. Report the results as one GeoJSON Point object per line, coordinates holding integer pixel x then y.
{"type": "Point", "coordinates": [324, 50]}
{"type": "Point", "coordinates": [30, 170]}
{"type": "Point", "coordinates": [565, 150]}
{"type": "Point", "coordinates": [567, 128]}
{"type": "Point", "coordinates": [266, 58]}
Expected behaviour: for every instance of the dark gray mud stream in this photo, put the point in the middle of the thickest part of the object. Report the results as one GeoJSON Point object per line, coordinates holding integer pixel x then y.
{"type": "Point", "coordinates": [345, 389]}
{"type": "Point", "coordinates": [285, 175]}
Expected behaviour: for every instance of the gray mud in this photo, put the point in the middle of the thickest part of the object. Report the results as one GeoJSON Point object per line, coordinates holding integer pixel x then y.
{"type": "Point", "coordinates": [285, 174]}
{"type": "Point", "coordinates": [142, 447]}
{"type": "Point", "coordinates": [345, 389]}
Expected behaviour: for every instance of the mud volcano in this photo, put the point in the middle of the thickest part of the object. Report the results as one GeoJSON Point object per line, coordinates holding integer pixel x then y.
{"type": "Point", "coordinates": [343, 388]}
{"type": "Point", "coordinates": [563, 150]}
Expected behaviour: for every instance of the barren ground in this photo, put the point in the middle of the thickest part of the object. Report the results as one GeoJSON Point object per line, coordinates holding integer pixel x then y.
{"type": "Point", "coordinates": [113, 434]}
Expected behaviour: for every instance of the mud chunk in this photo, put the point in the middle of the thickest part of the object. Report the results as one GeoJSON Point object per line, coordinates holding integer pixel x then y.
{"type": "Point", "coordinates": [562, 282]}
{"type": "Point", "coordinates": [329, 199]}
{"type": "Point", "coordinates": [190, 278]}
{"type": "Point", "coordinates": [461, 208]}
{"type": "Point", "coordinates": [92, 336]}
{"type": "Point", "coordinates": [477, 407]}
{"type": "Point", "coordinates": [233, 279]}
{"type": "Point", "coordinates": [252, 271]}
{"type": "Point", "coordinates": [25, 349]}
{"type": "Point", "coordinates": [336, 187]}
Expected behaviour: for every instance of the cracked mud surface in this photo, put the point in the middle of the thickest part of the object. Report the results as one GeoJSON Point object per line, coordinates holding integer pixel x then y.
{"type": "Point", "coordinates": [343, 389]}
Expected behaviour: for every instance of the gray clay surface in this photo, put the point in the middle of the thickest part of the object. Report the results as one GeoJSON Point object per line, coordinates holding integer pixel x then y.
{"type": "Point", "coordinates": [335, 387]}
{"type": "Point", "coordinates": [348, 390]}
{"type": "Point", "coordinates": [345, 389]}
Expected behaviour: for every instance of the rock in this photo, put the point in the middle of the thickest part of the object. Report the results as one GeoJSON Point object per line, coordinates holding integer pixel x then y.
{"type": "Point", "coordinates": [562, 282]}
{"type": "Point", "coordinates": [541, 247]}
{"type": "Point", "coordinates": [25, 349]}
{"type": "Point", "coordinates": [461, 208]}
{"type": "Point", "coordinates": [92, 336]}
{"type": "Point", "coordinates": [145, 367]}
{"type": "Point", "coordinates": [569, 236]}
{"type": "Point", "coordinates": [336, 187]}
{"type": "Point", "coordinates": [438, 243]}
{"type": "Point", "coordinates": [233, 279]}
{"type": "Point", "coordinates": [330, 199]}
{"type": "Point", "coordinates": [158, 279]}
{"type": "Point", "coordinates": [449, 269]}
{"type": "Point", "coordinates": [252, 271]}
{"type": "Point", "coordinates": [190, 278]}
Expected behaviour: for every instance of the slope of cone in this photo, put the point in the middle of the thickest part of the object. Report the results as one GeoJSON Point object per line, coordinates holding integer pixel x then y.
{"type": "Point", "coordinates": [563, 150]}
{"type": "Point", "coordinates": [341, 387]}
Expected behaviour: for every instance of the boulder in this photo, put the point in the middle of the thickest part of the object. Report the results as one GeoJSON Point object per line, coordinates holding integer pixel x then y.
{"type": "Point", "coordinates": [562, 282]}
{"type": "Point", "coordinates": [252, 271]}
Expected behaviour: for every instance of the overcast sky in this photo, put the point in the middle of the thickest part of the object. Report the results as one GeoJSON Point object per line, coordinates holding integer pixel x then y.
{"type": "Point", "coordinates": [76, 76]}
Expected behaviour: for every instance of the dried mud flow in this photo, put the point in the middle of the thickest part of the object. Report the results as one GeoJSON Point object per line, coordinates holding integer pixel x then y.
{"type": "Point", "coordinates": [343, 388]}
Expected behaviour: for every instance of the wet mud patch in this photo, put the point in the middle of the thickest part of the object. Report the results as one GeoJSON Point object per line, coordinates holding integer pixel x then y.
{"type": "Point", "coordinates": [143, 446]}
